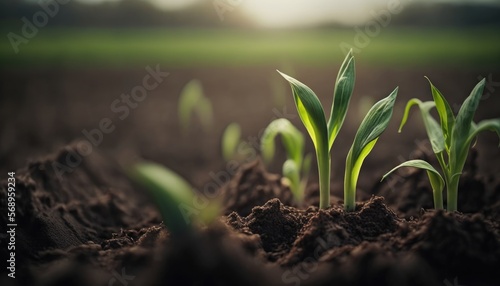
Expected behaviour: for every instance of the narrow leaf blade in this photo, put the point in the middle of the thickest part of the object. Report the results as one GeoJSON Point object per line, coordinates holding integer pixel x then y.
{"type": "Point", "coordinates": [445, 112]}
{"type": "Point", "coordinates": [466, 113]}
{"type": "Point", "coordinates": [436, 180]}
{"type": "Point", "coordinates": [434, 131]}
{"type": "Point", "coordinates": [169, 191]}
{"type": "Point", "coordinates": [372, 126]}
{"type": "Point", "coordinates": [374, 123]}
{"type": "Point", "coordinates": [292, 138]}
{"type": "Point", "coordinates": [344, 86]}
{"type": "Point", "coordinates": [488, 124]}
{"type": "Point", "coordinates": [406, 114]}
{"type": "Point", "coordinates": [310, 111]}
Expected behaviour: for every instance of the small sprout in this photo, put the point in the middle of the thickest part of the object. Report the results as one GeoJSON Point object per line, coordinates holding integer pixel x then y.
{"type": "Point", "coordinates": [296, 168]}
{"type": "Point", "coordinates": [192, 101]}
{"type": "Point", "coordinates": [372, 126]}
{"type": "Point", "coordinates": [231, 138]}
{"type": "Point", "coordinates": [311, 113]}
{"type": "Point", "coordinates": [450, 139]}
{"type": "Point", "coordinates": [174, 197]}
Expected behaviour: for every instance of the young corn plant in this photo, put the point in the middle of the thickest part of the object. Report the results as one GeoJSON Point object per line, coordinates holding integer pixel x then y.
{"type": "Point", "coordinates": [372, 126]}
{"type": "Point", "coordinates": [450, 139]}
{"type": "Point", "coordinates": [174, 197]}
{"type": "Point", "coordinates": [231, 139]}
{"type": "Point", "coordinates": [323, 133]}
{"type": "Point", "coordinates": [192, 101]}
{"type": "Point", "coordinates": [297, 167]}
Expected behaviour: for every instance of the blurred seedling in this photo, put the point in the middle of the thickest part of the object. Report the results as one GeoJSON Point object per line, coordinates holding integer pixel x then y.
{"type": "Point", "coordinates": [175, 199]}
{"type": "Point", "coordinates": [297, 166]}
{"type": "Point", "coordinates": [231, 139]}
{"type": "Point", "coordinates": [450, 139]}
{"type": "Point", "coordinates": [193, 102]}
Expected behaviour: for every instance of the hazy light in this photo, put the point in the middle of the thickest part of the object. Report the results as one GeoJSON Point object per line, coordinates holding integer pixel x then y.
{"type": "Point", "coordinates": [173, 4]}
{"type": "Point", "coordinates": [283, 13]}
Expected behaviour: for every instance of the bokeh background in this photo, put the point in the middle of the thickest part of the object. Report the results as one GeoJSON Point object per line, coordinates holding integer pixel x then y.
{"type": "Point", "coordinates": [64, 63]}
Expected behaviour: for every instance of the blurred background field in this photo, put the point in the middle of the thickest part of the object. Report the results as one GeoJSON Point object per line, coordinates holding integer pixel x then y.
{"type": "Point", "coordinates": [194, 47]}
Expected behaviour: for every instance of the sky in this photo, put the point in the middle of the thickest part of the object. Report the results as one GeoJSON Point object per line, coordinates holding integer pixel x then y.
{"type": "Point", "coordinates": [289, 13]}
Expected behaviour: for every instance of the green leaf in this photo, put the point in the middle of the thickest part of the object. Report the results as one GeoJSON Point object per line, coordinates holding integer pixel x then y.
{"type": "Point", "coordinates": [437, 182]}
{"type": "Point", "coordinates": [313, 117]}
{"type": "Point", "coordinates": [372, 126]}
{"type": "Point", "coordinates": [461, 132]}
{"type": "Point", "coordinates": [310, 111]}
{"type": "Point", "coordinates": [488, 124]}
{"type": "Point", "coordinates": [192, 101]}
{"type": "Point", "coordinates": [466, 113]}
{"type": "Point", "coordinates": [230, 140]}
{"type": "Point", "coordinates": [344, 86]}
{"type": "Point", "coordinates": [434, 131]}
{"type": "Point", "coordinates": [445, 112]}
{"type": "Point", "coordinates": [374, 123]}
{"type": "Point", "coordinates": [189, 98]}
{"type": "Point", "coordinates": [169, 191]}
{"type": "Point", "coordinates": [291, 137]}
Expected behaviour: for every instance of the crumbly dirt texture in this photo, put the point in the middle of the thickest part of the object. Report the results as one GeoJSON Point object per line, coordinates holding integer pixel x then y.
{"type": "Point", "coordinates": [91, 225]}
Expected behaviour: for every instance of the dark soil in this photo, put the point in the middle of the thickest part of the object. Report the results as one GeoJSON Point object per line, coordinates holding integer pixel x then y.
{"type": "Point", "coordinates": [92, 226]}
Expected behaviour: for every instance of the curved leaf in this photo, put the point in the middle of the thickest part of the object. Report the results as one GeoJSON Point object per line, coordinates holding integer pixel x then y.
{"type": "Point", "coordinates": [437, 182]}
{"type": "Point", "coordinates": [291, 137]}
{"type": "Point", "coordinates": [169, 191]}
{"type": "Point", "coordinates": [406, 114]}
{"type": "Point", "coordinates": [310, 111]}
{"type": "Point", "coordinates": [434, 131]}
{"type": "Point", "coordinates": [488, 124]}
{"type": "Point", "coordinates": [342, 93]}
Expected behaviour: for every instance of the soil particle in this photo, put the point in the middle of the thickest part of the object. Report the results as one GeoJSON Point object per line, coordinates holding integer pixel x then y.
{"type": "Point", "coordinates": [252, 186]}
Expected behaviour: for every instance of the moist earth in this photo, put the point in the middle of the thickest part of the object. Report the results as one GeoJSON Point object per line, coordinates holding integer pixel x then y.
{"type": "Point", "coordinates": [92, 226]}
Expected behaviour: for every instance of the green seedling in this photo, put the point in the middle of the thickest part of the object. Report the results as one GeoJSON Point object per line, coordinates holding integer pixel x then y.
{"type": "Point", "coordinates": [372, 126]}
{"type": "Point", "coordinates": [297, 167]}
{"type": "Point", "coordinates": [450, 140]}
{"type": "Point", "coordinates": [323, 133]}
{"type": "Point", "coordinates": [193, 102]}
{"type": "Point", "coordinates": [231, 139]}
{"type": "Point", "coordinates": [174, 197]}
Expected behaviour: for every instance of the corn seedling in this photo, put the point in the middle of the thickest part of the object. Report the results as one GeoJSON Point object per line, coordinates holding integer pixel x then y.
{"type": "Point", "coordinates": [323, 134]}
{"type": "Point", "coordinates": [231, 139]}
{"type": "Point", "coordinates": [372, 126]}
{"type": "Point", "coordinates": [450, 139]}
{"type": "Point", "coordinates": [296, 168]}
{"type": "Point", "coordinates": [174, 197]}
{"type": "Point", "coordinates": [192, 101]}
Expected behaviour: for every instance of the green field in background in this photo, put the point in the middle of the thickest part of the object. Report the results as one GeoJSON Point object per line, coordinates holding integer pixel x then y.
{"type": "Point", "coordinates": [195, 47]}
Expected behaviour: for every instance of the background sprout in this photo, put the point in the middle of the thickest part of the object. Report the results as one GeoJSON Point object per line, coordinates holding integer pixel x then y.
{"type": "Point", "coordinates": [372, 126]}
{"type": "Point", "coordinates": [450, 139]}
{"type": "Point", "coordinates": [311, 113]}
{"type": "Point", "coordinates": [231, 138]}
{"type": "Point", "coordinates": [192, 101]}
{"type": "Point", "coordinates": [297, 167]}
{"type": "Point", "coordinates": [174, 197]}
